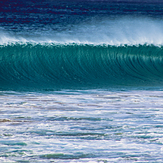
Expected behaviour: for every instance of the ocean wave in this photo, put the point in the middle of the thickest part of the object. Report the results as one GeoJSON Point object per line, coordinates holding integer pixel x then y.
{"type": "Point", "coordinates": [65, 66]}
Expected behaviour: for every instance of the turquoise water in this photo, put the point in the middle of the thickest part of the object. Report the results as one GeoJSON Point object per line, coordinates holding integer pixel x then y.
{"type": "Point", "coordinates": [50, 66]}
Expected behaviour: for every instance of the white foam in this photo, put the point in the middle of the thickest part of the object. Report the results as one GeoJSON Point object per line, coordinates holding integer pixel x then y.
{"type": "Point", "coordinates": [120, 31]}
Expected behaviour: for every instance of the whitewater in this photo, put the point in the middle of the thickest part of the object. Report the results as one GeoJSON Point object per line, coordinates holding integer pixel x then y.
{"type": "Point", "coordinates": [81, 81]}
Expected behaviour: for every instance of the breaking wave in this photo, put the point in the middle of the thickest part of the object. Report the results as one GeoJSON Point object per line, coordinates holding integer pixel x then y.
{"type": "Point", "coordinates": [79, 66]}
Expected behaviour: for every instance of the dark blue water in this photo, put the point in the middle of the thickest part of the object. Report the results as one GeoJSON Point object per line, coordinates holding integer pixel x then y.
{"type": "Point", "coordinates": [81, 81]}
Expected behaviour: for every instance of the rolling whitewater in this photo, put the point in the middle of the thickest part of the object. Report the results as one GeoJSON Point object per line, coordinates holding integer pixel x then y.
{"type": "Point", "coordinates": [81, 81]}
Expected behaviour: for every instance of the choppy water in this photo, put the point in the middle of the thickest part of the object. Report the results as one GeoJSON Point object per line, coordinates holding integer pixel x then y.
{"type": "Point", "coordinates": [81, 81]}
{"type": "Point", "coordinates": [82, 126]}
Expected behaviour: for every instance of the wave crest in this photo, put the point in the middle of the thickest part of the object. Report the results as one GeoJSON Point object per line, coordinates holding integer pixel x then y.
{"type": "Point", "coordinates": [118, 31]}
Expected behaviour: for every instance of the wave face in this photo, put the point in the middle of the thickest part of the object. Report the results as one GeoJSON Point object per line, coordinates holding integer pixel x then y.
{"type": "Point", "coordinates": [80, 44]}
{"type": "Point", "coordinates": [51, 66]}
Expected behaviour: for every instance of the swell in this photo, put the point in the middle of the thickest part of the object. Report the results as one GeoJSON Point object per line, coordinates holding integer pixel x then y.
{"type": "Point", "coordinates": [51, 66]}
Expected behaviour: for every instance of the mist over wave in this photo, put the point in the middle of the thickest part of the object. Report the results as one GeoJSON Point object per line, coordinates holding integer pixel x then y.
{"type": "Point", "coordinates": [109, 31]}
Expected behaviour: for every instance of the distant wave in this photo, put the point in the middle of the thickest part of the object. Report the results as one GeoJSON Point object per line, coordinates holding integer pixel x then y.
{"type": "Point", "coordinates": [64, 66]}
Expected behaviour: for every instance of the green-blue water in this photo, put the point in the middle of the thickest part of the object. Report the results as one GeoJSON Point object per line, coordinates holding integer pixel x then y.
{"type": "Point", "coordinates": [51, 66]}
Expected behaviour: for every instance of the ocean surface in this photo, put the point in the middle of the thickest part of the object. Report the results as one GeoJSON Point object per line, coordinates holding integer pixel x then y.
{"type": "Point", "coordinates": [81, 81]}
